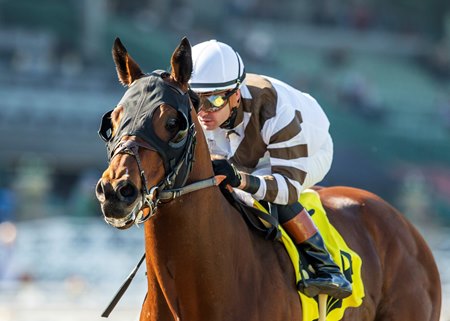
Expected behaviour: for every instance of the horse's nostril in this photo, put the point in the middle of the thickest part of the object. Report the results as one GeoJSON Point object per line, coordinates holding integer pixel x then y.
{"type": "Point", "coordinates": [99, 191]}
{"type": "Point", "coordinates": [127, 192]}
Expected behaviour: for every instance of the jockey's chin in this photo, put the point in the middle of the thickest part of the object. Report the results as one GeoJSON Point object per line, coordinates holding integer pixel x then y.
{"type": "Point", "coordinates": [208, 124]}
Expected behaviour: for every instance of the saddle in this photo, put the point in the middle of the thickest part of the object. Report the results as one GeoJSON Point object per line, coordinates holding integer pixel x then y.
{"type": "Point", "coordinates": [263, 218]}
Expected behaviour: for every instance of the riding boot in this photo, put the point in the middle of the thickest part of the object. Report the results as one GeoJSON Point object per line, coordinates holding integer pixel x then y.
{"type": "Point", "coordinates": [329, 278]}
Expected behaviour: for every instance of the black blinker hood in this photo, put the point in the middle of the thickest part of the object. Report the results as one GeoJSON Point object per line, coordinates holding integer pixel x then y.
{"type": "Point", "coordinates": [139, 102]}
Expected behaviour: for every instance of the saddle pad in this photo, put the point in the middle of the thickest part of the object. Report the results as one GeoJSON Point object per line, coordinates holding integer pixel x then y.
{"type": "Point", "coordinates": [348, 260]}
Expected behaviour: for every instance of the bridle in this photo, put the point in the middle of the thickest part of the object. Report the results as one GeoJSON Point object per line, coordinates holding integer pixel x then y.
{"type": "Point", "coordinates": [171, 186]}
{"type": "Point", "coordinates": [166, 190]}
{"type": "Point", "coordinates": [162, 191]}
{"type": "Point", "coordinates": [177, 155]}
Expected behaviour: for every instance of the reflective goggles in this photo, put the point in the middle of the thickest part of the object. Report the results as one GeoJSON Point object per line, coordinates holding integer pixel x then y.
{"type": "Point", "coordinates": [212, 103]}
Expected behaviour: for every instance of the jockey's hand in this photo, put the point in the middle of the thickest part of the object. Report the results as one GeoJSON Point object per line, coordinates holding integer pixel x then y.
{"type": "Point", "coordinates": [223, 167]}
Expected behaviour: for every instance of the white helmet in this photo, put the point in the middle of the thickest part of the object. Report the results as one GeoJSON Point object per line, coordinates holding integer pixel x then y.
{"type": "Point", "coordinates": [216, 66]}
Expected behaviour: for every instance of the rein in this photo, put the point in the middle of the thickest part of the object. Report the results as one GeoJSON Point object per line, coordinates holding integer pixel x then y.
{"type": "Point", "coordinates": [166, 196]}
{"type": "Point", "coordinates": [177, 155]}
{"type": "Point", "coordinates": [160, 193]}
{"type": "Point", "coordinates": [170, 194]}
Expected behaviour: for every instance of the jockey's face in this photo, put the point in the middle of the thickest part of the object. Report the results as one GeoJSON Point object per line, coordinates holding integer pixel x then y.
{"type": "Point", "coordinates": [211, 119]}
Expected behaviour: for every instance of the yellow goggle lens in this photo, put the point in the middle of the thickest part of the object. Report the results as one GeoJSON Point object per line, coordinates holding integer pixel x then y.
{"type": "Point", "coordinates": [216, 101]}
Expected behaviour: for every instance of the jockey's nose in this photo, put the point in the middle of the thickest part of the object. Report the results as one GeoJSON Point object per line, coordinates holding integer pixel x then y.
{"type": "Point", "coordinates": [125, 192]}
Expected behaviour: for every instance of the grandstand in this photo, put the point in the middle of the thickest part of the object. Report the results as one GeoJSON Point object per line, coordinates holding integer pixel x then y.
{"type": "Point", "coordinates": [367, 69]}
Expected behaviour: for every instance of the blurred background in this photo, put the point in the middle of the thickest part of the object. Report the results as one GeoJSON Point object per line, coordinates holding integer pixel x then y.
{"type": "Point", "coordinates": [380, 69]}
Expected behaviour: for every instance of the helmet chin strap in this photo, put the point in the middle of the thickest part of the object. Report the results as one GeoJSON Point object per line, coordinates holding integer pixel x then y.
{"type": "Point", "coordinates": [230, 122]}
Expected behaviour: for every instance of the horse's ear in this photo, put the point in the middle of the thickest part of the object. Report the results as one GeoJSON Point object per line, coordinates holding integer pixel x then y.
{"type": "Point", "coordinates": [127, 69]}
{"type": "Point", "coordinates": [182, 62]}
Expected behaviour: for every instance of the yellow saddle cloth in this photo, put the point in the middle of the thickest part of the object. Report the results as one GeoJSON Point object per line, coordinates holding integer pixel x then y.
{"type": "Point", "coordinates": [348, 260]}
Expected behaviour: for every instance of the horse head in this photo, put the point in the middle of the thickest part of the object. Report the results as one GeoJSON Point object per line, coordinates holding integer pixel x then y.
{"type": "Point", "coordinates": [150, 137]}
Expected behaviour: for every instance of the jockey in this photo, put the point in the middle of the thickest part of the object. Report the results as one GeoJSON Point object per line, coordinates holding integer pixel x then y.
{"type": "Point", "coordinates": [275, 143]}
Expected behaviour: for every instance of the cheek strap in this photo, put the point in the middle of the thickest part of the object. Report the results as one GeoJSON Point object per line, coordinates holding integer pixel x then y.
{"type": "Point", "coordinates": [229, 123]}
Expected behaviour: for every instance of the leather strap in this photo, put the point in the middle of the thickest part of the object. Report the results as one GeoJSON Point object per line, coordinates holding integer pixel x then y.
{"type": "Point", "coordinates": [122, 289]}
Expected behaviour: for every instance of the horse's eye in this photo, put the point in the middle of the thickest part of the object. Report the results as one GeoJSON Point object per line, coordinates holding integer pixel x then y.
{"type": "Point", "coordinates": [178, 128]}
{"type": "Point", "coordinates": [172, 124]}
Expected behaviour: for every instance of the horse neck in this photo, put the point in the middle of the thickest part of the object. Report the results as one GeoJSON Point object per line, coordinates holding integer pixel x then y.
{"type": "Point", "coordinates": [186, 235]}
{"type": "Point", "coordinates": [198, 206]}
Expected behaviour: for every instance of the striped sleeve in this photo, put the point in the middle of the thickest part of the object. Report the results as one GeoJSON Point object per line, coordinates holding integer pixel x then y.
{"type": "Point", "coordinates": [288, 158]}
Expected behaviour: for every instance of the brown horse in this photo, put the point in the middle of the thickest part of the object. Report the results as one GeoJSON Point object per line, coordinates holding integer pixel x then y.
{"type": "Point", "coordinates": [203, 262]}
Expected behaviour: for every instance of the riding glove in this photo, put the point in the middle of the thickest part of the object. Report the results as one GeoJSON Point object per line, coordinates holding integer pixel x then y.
{"type": "Point", "coordinates": [235, 178]}
{"type": "Point", "coordinates": [223, 167]}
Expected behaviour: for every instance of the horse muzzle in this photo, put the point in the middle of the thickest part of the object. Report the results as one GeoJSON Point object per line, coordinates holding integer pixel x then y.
{"type": "Point", "coordinates": [120, 205]}
{"type": "Point", "coordinates": [126, 221]}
